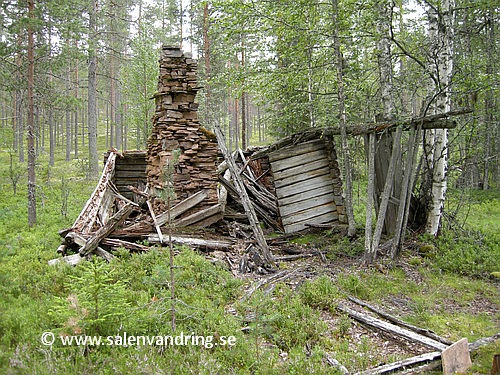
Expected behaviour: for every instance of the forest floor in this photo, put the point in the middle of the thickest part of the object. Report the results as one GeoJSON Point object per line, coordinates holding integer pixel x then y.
{"type": "Point", "coordinates": [284, 322]}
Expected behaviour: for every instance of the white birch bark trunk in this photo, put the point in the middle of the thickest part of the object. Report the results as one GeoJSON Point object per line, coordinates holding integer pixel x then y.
{"type": "Point", "coordinates": [441, 34]}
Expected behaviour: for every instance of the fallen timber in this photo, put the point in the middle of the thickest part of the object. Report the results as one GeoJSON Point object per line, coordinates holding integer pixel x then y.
{"type": "Point", "coordinates": [438, 121]}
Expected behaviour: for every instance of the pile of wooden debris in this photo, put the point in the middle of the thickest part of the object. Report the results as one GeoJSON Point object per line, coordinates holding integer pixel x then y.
{"type": "Point", "coordinates": [180, 184]}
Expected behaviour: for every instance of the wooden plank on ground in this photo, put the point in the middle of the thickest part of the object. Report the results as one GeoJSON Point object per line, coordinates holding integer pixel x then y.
{"type": "Point", "coordinates": [305, 176]}
{"type": "Point", "coordinates": [456, 358]}
{"type": "Point", "coordinates": [297, 160]}
{"type": "Point", "coordinates": [391, 328]}
{"type": "Point", "coordinates": [316, 201]}
{"type": "Point", "coordinates": [413, 361]}
{"type": "Point", "coordinates": [308, 213]}
{"type": "Point", "coordinates": [219, 244]}
{"type": "Point", "coordinates": [312, 184]}
{"type": "Point", "coordinates": [294, 150]}
{"type": "Point", "coordinates": [182, 207]}
{"type": "Point", "coordinates": [302, 196]}
{"type": "Point", "coordinates": [290, 172]}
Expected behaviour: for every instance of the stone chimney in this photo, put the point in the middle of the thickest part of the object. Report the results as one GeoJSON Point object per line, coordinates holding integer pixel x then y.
{"type": "Point", "coordinates": [176, 129]}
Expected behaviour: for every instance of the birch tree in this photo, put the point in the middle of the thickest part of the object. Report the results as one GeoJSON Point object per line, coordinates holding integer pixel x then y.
{"type": "Point", "coordinates": [441, 63]}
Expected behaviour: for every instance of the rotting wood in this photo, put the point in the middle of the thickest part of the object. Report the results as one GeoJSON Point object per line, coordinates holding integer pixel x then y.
{"type": "Point", "coordinates": [401, 367]}
{"type": "Point", "coordinates": [196, 218]}
{"type": "Point", "coordinates": [336, 364]}
{"type": "Point", "coordinates": [399, 322]}
{"type": "Point", "coordinates": [294, 161]}
{"type": "Point", "coordinates": [299, 256]}
{"type": "Point", "coordinates": [196, 242]}
{"type": "Point", "coordinates": [297, 170]}
{"type": "Point", "coordinates": [438, 121]}
{"type": "Point", "coordinates": [277, 277]}
{"type": "Point", "coordinates": [408, 362]}
{"type": "Point", "coordinates": [483, 341]}
{"type": "Point", "coordinates": [247, 204]}
{"type": "Point", "coordinates": [305, 148]}
{"type": "Point", "coordinates": [115, 243]}
{"type": "Point", "coordinates": [392, 328]}
{"type": "Point", "coordinates": [182, 207]}
{"type": "Point", "coordinates": [85, 221]}
{"type": "Point", "coordinates": [155, 221]}
{"type": "Point", "coordinates": [103, 232]}
{"type": "Point", "coordinates": [305, 175]}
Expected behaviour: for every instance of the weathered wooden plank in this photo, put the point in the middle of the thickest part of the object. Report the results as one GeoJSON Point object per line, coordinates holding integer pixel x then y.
{"type": "Point", "coordinates": [295, 150]}
{"type": "Point", "coordinates": [130, 174]}
{"type": "Point", "coordinates": [312, 184]}
{"type": "Point", "coordinates": [405, 363]}
{"type": "Point", "coordinates": [302, 196]}
{"type": "Point", "coordinates": [182, 207]}
{"type": "Point", "coordinates": [85, 221]}
{"type": "Point", "coordinates": [220, 244]}
{"type": "Point", "coordinates": [308, 213]}
{"type": "Point", "coordinates": [328, 218]}
{"type": "Point", "coordinates": [297, 160]}
{"type": "Point", "coordinates": [290, 172]}
{"type": "Point", "coordinates": [113, 222]}
{"type": "Point", "coordinates": [199, 216]}
{"type": "Point", "coordinates": [310, 203]}
{"type": "Point", "coordinates": [131, 167]}
{"type": "Point", "coordinates": [304, 176]}
{"type": "Point", "coordinates": [391, 328]}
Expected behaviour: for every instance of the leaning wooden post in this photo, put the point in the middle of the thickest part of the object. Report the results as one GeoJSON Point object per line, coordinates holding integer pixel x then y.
{"type": "Point", "coordinates": [247, 204]}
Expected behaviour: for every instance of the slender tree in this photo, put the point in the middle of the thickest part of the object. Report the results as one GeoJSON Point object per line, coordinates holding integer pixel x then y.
{"type": "Point", "coordinates": [31, 117]}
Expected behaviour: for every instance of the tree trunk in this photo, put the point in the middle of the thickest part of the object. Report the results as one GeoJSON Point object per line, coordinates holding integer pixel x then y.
{"type": "Point", "coordinates": [92, 92]}
{"type": "Point", "coordinates": [441, 37]}
{"type": "Point", "coordinates": [67, 109]}
{"type": "Point", "coordinates": [31, 118]}
{"type": "Point", "coordinates": [384, 58]}
{"type": "Point", "coordinates": [343, 126]}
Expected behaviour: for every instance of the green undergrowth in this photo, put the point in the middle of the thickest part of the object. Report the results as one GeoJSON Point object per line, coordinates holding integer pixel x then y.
{"type": "Point", "coordinates": [289, 329]}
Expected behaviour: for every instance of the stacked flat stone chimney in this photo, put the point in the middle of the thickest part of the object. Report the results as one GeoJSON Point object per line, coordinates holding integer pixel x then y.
{"type": "Point", "coordinates": [176, 130]}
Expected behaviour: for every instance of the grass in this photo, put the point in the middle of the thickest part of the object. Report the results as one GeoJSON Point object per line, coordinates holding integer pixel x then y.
{"type": "Point", "coordinates": [284, 331]}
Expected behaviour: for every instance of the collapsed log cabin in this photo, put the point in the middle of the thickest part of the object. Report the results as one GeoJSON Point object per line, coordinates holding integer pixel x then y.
{"type": "Point", "coordinates": [181, 180]}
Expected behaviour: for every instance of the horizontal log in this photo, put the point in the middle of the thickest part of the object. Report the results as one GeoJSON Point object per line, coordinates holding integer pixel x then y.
{"type": "Point", "coordinates": [298, 160]}
{"type": "Point", "coordinates": [439, 121]}
{"type": "Point", "coordinates": [295, 150]}
{"type": "Point", "coordinates": [194, 242]}
{"type": "Point", "coordinates": [290, 209]}
{"type": "Point", "coordinates": [294, 171]}
{"type": "Point", "coordinates": [182, 207]}
{"type": "Point", "coordinates": [199, 216]}
{"type": "Point", "coordinates": [305, 176]}
{"type": "Point", "coordinates": [328, 218]}
{"type": "Point", "coordinates": [408, 362]}
{"type": "Point", "coordinates": [399, 322]}
{"type": "Point", "coordinates": [308, 213]}
{"type": "Point", "coordinates": [303, 186]}
{"type": "Point", "coordinates": [392, 328]}
{"type": "Point", "coordinates": [305, 195]}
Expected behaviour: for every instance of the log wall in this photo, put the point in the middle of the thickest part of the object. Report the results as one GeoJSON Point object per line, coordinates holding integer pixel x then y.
{"type": "Point", "coordinates": [308, 184]}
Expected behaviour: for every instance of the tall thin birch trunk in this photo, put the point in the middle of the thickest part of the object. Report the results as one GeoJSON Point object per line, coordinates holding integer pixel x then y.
{"type": "Point", "coordinates": [441, 37]}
